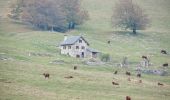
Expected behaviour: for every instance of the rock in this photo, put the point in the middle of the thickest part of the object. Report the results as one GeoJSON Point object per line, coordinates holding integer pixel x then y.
{"type": "Point", "coordinates": [40, 54]}
{"type": "Point", "coordinates": [5, 58]}
{"type": "Point", "coordinates": [156, 72]}
{"type": "Point", "coordinates": [94, 62]}
{"type": "Point", "coordinates": [57, 62]}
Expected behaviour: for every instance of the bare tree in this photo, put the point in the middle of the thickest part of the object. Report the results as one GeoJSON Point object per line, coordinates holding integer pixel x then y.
{"type": "Point", "coordinates": [44, 14]}
{"type": "Point", "coordinates": [58, 15]}
{"type": "Point", "coordinates": [16, 9]}
{"type": "Point", "coordinates": [75, 14]}
{"type": "Point", "coordinates": [129, 15]}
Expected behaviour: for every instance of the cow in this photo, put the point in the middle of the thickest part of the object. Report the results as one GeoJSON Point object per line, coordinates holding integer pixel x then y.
{"type": "Point", "coordinates": [114, 83]}
{"type": "Point", "coordinates": [46, 75]}
{"type": "Point", "coordinates": [68, 77]}
{"type": "Point", "coordinates": [108, 42]}
{"type": "Point", "coordinates": [129, 79]}
{"type": "Point", "coordinates": [115, 72]}
{"type": "Point", "coordinates": [140, 81]}
{"type": "Point", "coordinates": [163, 52]}
{"type": "Point", "coordinates": [144, 57]}
{"type": "Point", "coordinates": [128, 98]}
{"type": "Point", "coordinates": [138, 75]}
{"type": "Point", "coordinates": [160, 84]}
{"type": "Point", "coordinates": [75, 67]}
{"type": "Point", "coordinates": [128, 73]}
{"type": "Point", "coordinates": [165, 65]}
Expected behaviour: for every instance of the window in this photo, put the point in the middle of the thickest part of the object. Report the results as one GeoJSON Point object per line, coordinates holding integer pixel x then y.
{"type": "Point", "coordinates": [80, 41]}
{"type": "Point", "coordinates": [82, 47]}
{"type": "Point", "coordinates": [64, 47]}
{"type": "Point", "coordinates": [69, 47]}
{"type": "Point", "coordinates": [77, 47]}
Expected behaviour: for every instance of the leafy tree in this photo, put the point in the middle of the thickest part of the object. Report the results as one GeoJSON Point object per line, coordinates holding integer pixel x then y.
{"type": "Point", "coordinates": [129, 15]}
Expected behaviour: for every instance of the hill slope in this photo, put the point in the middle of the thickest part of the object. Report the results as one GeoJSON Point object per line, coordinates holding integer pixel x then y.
{"type": "Point", "coordinates": [21, 74]}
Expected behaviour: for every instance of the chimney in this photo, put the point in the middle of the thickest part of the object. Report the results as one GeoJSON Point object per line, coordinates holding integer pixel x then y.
{"type": "Point", "coordinates": [65, 37]}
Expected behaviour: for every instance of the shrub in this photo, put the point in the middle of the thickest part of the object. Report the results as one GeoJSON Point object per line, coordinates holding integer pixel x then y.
{"type": "Point", "coordinates": [105, 57]}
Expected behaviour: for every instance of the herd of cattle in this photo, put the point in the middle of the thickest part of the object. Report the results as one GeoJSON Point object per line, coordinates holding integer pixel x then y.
{"type": "Point", "coordinates": [138, 75]}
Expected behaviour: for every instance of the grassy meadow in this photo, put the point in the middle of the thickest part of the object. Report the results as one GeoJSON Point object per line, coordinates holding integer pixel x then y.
{"type": "Point", "coordinates": [21, 75]}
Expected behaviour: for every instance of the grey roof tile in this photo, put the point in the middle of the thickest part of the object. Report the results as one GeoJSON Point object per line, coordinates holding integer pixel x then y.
{"type": "Point", "coordinates": [71, 40]}
{"type": "Point", "coordinates": [92, 50]}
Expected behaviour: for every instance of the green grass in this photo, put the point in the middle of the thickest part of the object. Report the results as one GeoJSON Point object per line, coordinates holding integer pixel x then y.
{"type": "Point", "coordinates": [21, 75]}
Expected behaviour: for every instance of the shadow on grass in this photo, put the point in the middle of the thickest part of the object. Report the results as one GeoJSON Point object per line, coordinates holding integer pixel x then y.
{"type": "Point", "coordinates": [129, 33]}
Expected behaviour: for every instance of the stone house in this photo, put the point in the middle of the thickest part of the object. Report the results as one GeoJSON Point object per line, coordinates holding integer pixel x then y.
{"type": "Point", "coordinates": [77, 46]}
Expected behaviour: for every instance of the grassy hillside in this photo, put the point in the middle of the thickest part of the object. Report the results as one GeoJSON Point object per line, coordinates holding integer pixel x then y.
{"type": "Point", "coordinates": [21, 74]}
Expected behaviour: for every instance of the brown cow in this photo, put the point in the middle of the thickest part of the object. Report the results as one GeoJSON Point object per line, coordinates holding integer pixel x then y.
{"type": "Point", "coordinates": [114, 83]}
{"type": "Point", "coordinates": [138, 75]}
{"type": "Point", "coordinates": [144, 57]}
{"type": "Point", "coordinates": [163, 52]}
{"type": "Point", "coordinates": [128, 98]}
{"type": "Point", "coordinates": [115, 72]}
{"type": "Point", "coordinates": [75, 67]}
{"type": "Point", "coordinates": [140, 81]}
{"type": "Point", "coordinates": [160, 84]}
{"type": "Point", "coordinates": [128, 73]}
{"type": "Point", "coordinates": [129, 79]}
{"type": "Point", "coordinates": [108, 42]}
{"type": "Point", "coordinates": [46, 75]}
{"type": "Point", "coordinates": [68, 77]}
{"type": "Point", "coordinates": [165, 65]}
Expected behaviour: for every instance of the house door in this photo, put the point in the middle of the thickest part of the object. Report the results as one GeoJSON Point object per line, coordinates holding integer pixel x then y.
{"type": "Point", "coordinates": [77, 56]}
{"type": "Point", "coordinates": [82, 54]}
{"type": "Point", "coordinates": [94, 55]}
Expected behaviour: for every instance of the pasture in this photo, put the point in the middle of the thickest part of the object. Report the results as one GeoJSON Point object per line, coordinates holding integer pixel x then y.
{"type": "Point", "coordinates": [21, 75]}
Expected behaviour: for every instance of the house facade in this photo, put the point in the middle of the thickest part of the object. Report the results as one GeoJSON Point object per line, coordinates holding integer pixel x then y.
{"type": "Point", "coordinates": [77, 46]}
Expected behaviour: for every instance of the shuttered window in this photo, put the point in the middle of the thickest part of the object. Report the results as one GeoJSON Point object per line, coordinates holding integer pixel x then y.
{"type": "Point", "coordinates": [80, 41]}
{"type": "Point", "coordinates": [69, 47]}
{"type": "Point", "coordinates": [77, 47]}
{"type": "Point", "coordinates": [82, 47]}
{"type": "Point", "coordinates": [64, 47]}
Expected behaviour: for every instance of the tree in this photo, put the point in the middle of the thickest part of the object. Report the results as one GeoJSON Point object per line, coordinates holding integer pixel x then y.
{"type": "Point", "coordinates": [58, 15]}
{"type": "Point", "coordinates": [129, 15]}
{"type": "Point", "coordinates": [105, 57]}
{"type": "Point", "coordinates": [75, 14]}
{"type": "Point", "coordinates": [16, 10]}
{"type": "Point", "coordinates": [44, 14]}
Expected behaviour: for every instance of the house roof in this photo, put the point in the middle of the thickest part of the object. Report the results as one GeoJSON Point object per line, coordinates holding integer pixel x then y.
{"type": "Point", "coordinates": [92, 50]}
{"type": "Point", "coordinates": [71, 40]}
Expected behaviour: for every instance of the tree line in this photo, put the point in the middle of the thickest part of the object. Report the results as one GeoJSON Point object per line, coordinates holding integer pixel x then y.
{"type": "Point", "coordinates": [62, 15]}
{"type": "Point", "coordinates": [57, 15]}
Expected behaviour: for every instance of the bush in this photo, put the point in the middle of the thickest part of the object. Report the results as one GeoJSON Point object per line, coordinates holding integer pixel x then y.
{"type": "Point", "coordinates": [105, 57]}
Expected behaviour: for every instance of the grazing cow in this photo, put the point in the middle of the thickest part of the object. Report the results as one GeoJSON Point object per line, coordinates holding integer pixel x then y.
{"type": "Point", "coordinates": [68, 77]}
{"type": "Point", "coordinates": [128, 98]}
{"type": "Point", "coordinates": [144, 57]}
{"type": "Point", "coordinates": [128, 73]}
{"type": "Point", "coordinates": [165, 65]}
{"type": "Point", "coordinates": [114, 83]}
{"type": "Point", "coordinates": [46, 75]}
{"type": "Point", "coordinates": [75, 67]}
{"type": "Point", "coordinates": [138, 75]}
{"type": "Point", "coordinates": [129, 79]}
{"type": "Point", "coordinates": [163, 52]}
{"type": "Point", "coordinates": [160, 84]}
{"type": "Point", "coordinates": [108, 42]}
{"type": "Point", "coordinates": [115, 72]}
{"type": "Point", "coordinates": [140, 81]}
